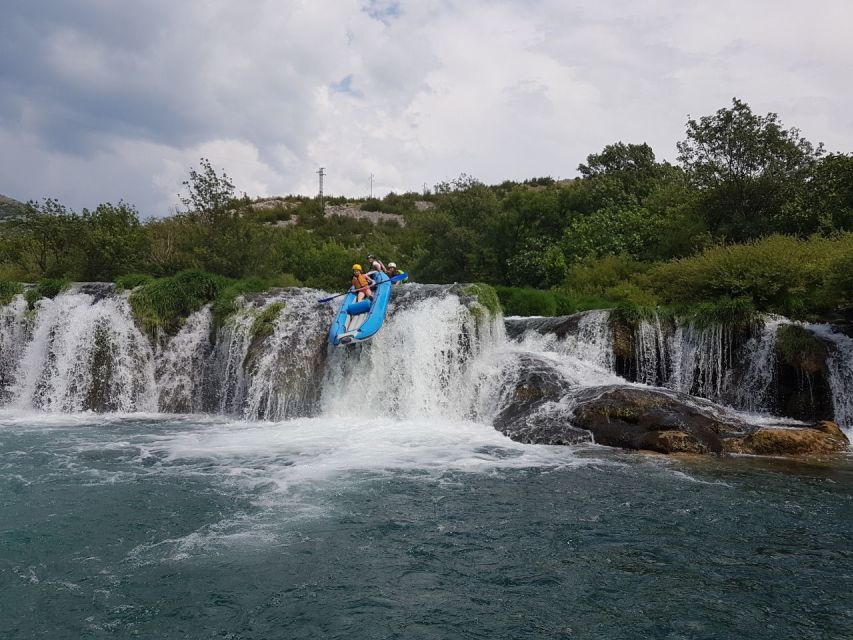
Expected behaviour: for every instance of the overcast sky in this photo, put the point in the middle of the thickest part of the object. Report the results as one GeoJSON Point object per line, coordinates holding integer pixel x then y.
{"type": "Point", "coordinates": [103, 99]}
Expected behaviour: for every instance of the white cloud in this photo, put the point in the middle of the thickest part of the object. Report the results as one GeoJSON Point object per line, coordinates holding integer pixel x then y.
{"type": "Point", "coordinates": [113, 102]}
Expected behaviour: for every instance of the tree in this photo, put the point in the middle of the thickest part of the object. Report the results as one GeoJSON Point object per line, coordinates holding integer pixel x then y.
{"type": "Point", "coordinates": [825, 204]}
{"type": "Point", "coordinates": [632, 166]}
{"type": "Point", "coordinates": [747, 166]}
{"type": "Point", "coordinates": [209, 195]}
{"type": "Point", "coordinates": [115, 241]}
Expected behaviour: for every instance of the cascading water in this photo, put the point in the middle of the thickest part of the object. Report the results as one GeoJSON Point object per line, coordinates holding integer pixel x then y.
{"type": "Point", "coordinates": [272, 374]}
{"type": "Point", "coordinates": [421, 366]}
{"type": "Point", "coordinates": [702, 360]}
{"type": "Point", "coordinates": [755, 388]}
{"type": "Point", "coordinates": [651, 358]}
{"type": "Point", "coordinates": [840, 365]}
{"type": "Point", "coordinates": [14, 326]}
{"type": "Point", "coordinates": [439, 354]}
{"type": "Point", "coordinates": [85, 354]}
{"type": "Point", "coordinates": [179, 366]}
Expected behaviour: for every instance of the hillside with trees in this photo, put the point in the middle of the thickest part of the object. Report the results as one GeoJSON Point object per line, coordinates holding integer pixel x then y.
{"type": "Point", "coordinates": [753, 213]}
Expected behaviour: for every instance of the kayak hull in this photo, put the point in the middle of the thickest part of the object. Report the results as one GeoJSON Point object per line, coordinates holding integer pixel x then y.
{"type": "Point", "coordinates": [359, 321]}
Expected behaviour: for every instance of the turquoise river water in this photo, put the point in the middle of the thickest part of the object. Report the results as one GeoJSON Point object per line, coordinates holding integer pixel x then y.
{"type": "Point", "coordinates": [156, 526]}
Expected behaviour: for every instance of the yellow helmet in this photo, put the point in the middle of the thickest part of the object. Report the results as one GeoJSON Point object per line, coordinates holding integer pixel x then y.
{"type": "Point", "coordinates": [356, 266]}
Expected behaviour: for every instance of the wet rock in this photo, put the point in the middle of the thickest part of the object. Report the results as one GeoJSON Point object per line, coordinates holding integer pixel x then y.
{"type": "Point", "coordinates": [531, 409]}
{"type": "Point", "coordinates": [640, 418]}
{"type": "Point", "coordinates": [559, 326]}
{"type": "Point", "coordinates": [823, 438]}
{"type": "Point", "coordinates": [803, 390]}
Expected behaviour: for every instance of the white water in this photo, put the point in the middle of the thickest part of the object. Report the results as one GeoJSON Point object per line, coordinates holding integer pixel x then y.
{"type": "Point", "coordinates": [84, 352]}
{"type": "Point", "coordinates": [425, 364]}
{"type": "Point", "coordinates": [757, 384]}
{"type": "Point", "coordinates": [840, 365]}
{"type": "Point", "coordinates": [179, 365]}
{"type": "Point", "coordinates": [435, 357]}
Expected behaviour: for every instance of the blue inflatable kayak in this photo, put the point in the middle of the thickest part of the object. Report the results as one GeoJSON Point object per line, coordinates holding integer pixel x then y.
{"type": "Point", "coordinates": [359, 321]}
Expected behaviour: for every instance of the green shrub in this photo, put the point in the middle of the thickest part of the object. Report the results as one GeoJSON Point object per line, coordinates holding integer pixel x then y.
{"type": "Point", "coordinates": [739, 314]}
{"type": "Point", "coordinates": [164, 304]}
{"type": "Point", "coordinates": [225, 302]}
{"type": "Point", "coordinates": [569, 302]}
{"type": "Point", "coordinates": [517, 301]}
{"type": "Point", "coordinates": [132, 280]}
{"type": "Point", "coordinates": [597, 275]}
{"type": "Point", "coordinates": [8, 290]}
{"type": "Point", "coordinates": [46, 288]}
{"type": "Point", "coordinates": [779, 274]}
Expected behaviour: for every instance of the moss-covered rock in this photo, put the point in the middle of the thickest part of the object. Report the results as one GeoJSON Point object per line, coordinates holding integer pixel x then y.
{"type": "Point", "coordinates": [485, 295]}
{"type": "Point", "coordinates": [264, 324]}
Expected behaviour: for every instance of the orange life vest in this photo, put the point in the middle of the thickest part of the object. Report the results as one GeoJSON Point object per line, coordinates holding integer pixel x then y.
{"type": "Point", "coordinates": [360, 281]}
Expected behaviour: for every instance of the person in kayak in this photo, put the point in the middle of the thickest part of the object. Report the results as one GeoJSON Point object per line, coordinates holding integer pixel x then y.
{"type": "Point", "coordinates": [361, 283]}
{"type": "Point", "coordinates": [393, 271]}
{"type": "Point", "coordinates": [374, 264]}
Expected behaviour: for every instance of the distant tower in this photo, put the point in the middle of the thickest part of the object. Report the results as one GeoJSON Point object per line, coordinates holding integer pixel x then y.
{"type": "Point", "coordinates": [321, 173]}
{"type": "Point", "coordinates": [371, 184]}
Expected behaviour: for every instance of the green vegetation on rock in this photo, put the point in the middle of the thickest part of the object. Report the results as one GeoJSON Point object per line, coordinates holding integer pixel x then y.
{"type": "Point", "coordinates": [264, 324]}
{"type": "Point", "coordinates": [163, 305]}
{"type": "Point", "coordinates": [46, 288]}
{"type": "Point", "coordinates": [8, 290]}
{"type": "Point", "coordinates": [486, 296]}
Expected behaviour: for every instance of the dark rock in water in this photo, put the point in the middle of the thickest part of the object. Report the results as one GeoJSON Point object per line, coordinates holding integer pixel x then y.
{"type": "Point", "coordinates": [560, 326]}
{"type": "Point", "coordinates": [98, 290]}
{"type": "Point", "coordinates": [668, 422]}
{"type": "Point", "coordinates": [541, 408]}
{"type": "Point", "coordinates": [531, 411]}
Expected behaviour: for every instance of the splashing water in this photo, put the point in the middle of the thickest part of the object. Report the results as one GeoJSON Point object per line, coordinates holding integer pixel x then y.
{"type": "Point", "coordinates": [421, 366]}
{"type": "Point", "coordinates": [180, 365]}
{"type": "Point", "coordinates": [85, 355]}
{"type": "Point", "coordinates": [14, 327]}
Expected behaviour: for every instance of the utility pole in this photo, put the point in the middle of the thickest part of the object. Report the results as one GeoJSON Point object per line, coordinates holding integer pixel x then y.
{"type": "Point", "coordinates": [321, 173]}
{"type": "Point", "coordinates": [371, 184]}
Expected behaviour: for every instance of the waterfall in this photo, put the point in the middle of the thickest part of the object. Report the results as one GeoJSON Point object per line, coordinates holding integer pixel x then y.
{"type": "Point", "coordinates": [85, 353]}
{"type": "Point", "coordinates": [651, 357]}
{"type": "Point", "coordinates": [180, 365]}
{"type": "Point", "coordinates": [839, 364]}
{"type": "Point", "coordinates": [755, 390]}
{"type": "Point", "coordinates": [274, 374]}
{"type": "Point", "coordinates": [439, 354]}
{"type": "Point", "coordinates": [593, 342]}
{"type": "Point", "coordinates": [419, 365]}
{"type": "Point", "coordinates": [702, 361]}
{"type": "Point", "coordinates": [283, 379]}
{"type": "Point", "coordinates": [13, 334]}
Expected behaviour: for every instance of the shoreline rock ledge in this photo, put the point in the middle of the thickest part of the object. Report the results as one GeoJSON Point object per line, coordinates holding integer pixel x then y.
{"type": "Point", "coordinates": [656, 420]}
